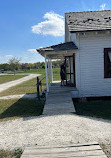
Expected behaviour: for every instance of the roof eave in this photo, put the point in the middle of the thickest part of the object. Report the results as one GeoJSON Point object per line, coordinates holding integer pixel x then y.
{"type": "Point", "coordinates": [43, 51]}
{"type": "Point", "coordinates": [89, 31]}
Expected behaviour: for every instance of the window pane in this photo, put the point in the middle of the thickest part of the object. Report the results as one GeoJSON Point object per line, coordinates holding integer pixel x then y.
{"type": "Point", "coordinates": [109, 54]}
{"type": "Point", "coordinates": [107, 62]}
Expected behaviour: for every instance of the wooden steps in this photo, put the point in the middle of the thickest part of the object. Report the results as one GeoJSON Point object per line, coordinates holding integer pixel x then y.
{"type": "Point", "coordinates": [89, 150]}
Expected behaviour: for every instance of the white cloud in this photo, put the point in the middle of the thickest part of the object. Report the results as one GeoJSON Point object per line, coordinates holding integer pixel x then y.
{"type": "Point", "coordinates": [53, 26]}
{"type": "Point", "coordinates": [32, 50]}
{"type": "Point", "coordinates": [8, 56]}
{"type": "Point", "coordinates": [102, 6]}
{"type": "Point", "coordinates": [40, 47]}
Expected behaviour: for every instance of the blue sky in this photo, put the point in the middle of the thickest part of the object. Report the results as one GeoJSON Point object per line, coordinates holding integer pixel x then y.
{"type": "Point", "coordinates": [29, 24]}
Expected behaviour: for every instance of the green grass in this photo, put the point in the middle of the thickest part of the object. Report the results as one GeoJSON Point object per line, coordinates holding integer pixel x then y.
{"type": "Point", "coordinates": [56, 74]}
{"type": "Point", "coordinates": [100, 109]}
{"type": "Point", "coordinates": [7, 78]}
{"type": "Point", "coordinates": [23, 88]}
{"type": "Point", "coordinates": [6, 154]}
{"type": "Point", "coordinates": [9, 154]}
{"type": "Point", "coordinates": [17, 108]}
{"type": "Point", "coordinates": [30, 86]}
{"type": "Point", "coordinates": [33, 71]}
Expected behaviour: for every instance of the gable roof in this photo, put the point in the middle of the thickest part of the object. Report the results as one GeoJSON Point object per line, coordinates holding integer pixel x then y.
{"type": "Point", "coordinates": [58, 47]}
{"type": "Point", "coordinates": [88, 21]}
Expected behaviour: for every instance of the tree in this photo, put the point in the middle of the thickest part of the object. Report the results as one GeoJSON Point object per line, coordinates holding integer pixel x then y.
{"type": "Point", "coordinates": [4, 66]}
{"type": "Point", "coordinates": [14, 64]}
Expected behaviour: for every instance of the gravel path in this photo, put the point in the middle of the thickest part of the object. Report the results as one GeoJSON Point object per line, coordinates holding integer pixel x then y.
{"type": "Point", "coordinates": [7, 85]}
{"type": "Point", "coordinates": [56, 130]}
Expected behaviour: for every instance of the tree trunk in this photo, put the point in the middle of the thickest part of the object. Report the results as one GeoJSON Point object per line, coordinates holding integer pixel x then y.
{"type": "Point", "coordinates": [14, 71]}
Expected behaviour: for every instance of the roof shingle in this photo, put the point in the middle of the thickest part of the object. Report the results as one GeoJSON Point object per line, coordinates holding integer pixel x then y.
{"type": "Point", "coordinates": [89, 21]}
{"type": "Point", "coordinates": [58, 47]}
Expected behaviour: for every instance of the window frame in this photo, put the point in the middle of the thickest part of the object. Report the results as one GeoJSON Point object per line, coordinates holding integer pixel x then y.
{"type": "Point", "coordinates": [106, 62]}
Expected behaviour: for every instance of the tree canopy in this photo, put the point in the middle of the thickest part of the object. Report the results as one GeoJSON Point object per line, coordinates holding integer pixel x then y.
{"type": "Point", "coordinates": [15, 64]}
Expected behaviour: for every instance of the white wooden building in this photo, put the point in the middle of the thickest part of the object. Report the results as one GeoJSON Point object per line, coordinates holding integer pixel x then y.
{"type": "Point", "coordinates": [87, 52]}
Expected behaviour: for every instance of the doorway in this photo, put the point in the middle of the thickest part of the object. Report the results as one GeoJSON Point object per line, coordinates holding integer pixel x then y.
{"type": "Point", "coordinates": [70, 70]}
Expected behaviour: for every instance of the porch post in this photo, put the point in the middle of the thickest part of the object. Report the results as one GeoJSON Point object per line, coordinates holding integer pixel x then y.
{"type": "Point", "coordinates": [46, 73]}
{"type": "Point", "coordinates": [51, 72]}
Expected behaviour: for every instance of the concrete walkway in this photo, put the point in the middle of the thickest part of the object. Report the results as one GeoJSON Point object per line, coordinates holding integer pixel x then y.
{"type": "Point", "coordinates": [7, 85]}
{"type": "Point", "coordinates": [59, 100]}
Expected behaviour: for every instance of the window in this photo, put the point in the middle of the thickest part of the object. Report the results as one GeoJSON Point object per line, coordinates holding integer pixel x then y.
{"type": "Point", "coordinates": [107, 62]}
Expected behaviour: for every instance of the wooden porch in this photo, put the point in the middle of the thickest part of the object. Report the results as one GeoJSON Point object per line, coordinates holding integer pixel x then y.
{"type": "Point", "coordinates": [64, 51]}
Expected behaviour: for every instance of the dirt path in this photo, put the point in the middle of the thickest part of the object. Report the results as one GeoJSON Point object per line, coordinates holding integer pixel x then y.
{"type": "Point", "coordinates": [7, 85]}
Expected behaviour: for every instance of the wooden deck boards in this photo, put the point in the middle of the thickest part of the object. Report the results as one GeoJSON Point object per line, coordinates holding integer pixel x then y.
{"type": "Point", "coordinates": [89, 150]}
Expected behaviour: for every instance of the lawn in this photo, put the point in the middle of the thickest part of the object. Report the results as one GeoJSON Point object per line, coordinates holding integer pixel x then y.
{"type": "Point", "coordinates": [36, 71]}
{"type": "Point", "coordinates": [99, 109]}
{"type": "Point", "coordinates": [30, 86]}
{"type": "Point", "coordinates": [56, 74]}
{"type": "Point", "coordinates": [23, 88]}
{"type": "Point", "coordinates": [32, 71]}
{"type": "Point", "coordinates": [17, 108]}
{"type": "Point", "coordinates": [7, 78]}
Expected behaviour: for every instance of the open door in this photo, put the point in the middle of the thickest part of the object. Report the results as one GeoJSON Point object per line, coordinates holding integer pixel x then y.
{"type": "Point", "coordinates": [70, 70]}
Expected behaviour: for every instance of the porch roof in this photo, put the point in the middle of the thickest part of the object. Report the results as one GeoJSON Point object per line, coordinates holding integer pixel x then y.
{"type": "Point", "coordinates": [58, 51]}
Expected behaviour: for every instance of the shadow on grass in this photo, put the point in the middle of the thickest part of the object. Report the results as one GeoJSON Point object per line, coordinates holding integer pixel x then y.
{"type": "Point", "coordinates": [99, 109]}
{"type": "Point", "coordinates": [21, 108]}
{"type": "Point", "coordinates": [30, 108]}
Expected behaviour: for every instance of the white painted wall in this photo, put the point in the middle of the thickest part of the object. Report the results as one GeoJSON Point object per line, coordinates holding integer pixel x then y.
{"type": "Point", "coordinates": [67, 33]}
{"type": "Point", "coordinates": [73, 37]}
{"type": "Point", "coordinates": [90, 79]}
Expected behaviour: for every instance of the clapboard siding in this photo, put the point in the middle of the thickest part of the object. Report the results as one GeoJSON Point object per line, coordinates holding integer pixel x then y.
{"type": "Point", "coordinates": [90, 79]}
{"type": "Point", "coordinates": [67, 33]}
{"type": "Point", "coordinates": [77, 72]}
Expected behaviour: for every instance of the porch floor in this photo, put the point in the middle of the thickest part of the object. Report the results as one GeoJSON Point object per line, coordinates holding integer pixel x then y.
{"type": "Point", "coordinates": [59, 100]}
